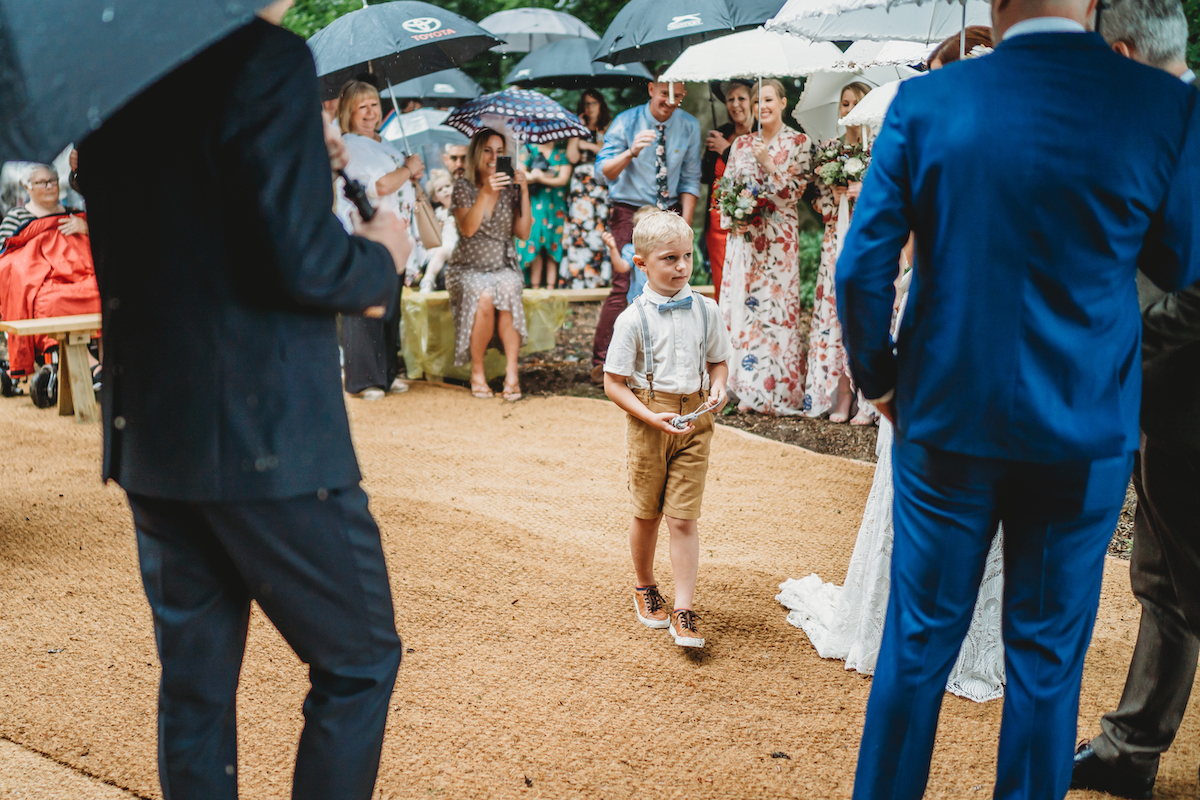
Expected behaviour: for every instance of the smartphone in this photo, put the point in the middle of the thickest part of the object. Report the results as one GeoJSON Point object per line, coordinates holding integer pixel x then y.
{"type": "Point", "coordinates": [504, 164]}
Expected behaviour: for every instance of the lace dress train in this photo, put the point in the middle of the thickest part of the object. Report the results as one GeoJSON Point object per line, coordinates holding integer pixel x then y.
{"type": "Point", "coordinates": [847, 621]}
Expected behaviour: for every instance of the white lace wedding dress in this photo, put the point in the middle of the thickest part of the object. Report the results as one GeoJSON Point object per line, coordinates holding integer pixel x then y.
{"type": "Point", "coordinates": [847, 621]}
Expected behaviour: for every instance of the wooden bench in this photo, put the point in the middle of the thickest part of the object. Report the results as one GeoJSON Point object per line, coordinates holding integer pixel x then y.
{"type": "Point", "coordinates": [75, 394]}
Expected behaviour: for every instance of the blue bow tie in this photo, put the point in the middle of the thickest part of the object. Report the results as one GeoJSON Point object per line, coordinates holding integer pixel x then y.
{"type": "Point", "coordinates": [684, 303]}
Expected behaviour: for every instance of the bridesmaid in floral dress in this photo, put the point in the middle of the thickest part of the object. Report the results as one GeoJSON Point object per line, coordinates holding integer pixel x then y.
{"type": "Point", "coordinates": [585, 262]}
{"type": "Point", "coordinates": [760, 288]}
{"type": "Point", "coordinates": [828, 368]}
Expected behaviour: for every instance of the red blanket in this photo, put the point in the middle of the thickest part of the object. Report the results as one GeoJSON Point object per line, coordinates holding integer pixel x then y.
{"type": "Point", "coordinates": [44, 274]}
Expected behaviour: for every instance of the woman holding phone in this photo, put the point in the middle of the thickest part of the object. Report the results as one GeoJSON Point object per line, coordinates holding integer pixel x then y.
{"type": "Point", "coordinates": [491, 205]}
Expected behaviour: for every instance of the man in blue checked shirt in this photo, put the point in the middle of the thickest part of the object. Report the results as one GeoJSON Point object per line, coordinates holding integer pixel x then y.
{"type": "Point", "coordinates": [651, 156]}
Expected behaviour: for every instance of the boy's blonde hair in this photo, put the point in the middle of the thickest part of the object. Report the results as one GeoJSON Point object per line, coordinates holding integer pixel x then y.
{"type": "Point", "coordinates": [656, 228]}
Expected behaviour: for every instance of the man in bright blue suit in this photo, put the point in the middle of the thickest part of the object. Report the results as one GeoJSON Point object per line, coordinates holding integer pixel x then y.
{"type": "Point", "coordinates": [1036, 181]}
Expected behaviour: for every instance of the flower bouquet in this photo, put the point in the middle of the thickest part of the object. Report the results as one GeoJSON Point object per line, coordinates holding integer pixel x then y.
{"type": "Point", "coordinates": [836, 164]}
{"type": "Point", "coordinates": [742, 202]}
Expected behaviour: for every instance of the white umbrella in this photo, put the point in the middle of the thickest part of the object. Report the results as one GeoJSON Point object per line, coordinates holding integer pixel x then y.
{"type": "Point", "coordinates": [817, 110]}
{"type": "Point", "coordinates": [752, 54]}
{"type": "Point", "coordinates": [872, 109]}
{"type": "Point", "coordinates": [851, 20]}
{"type": "Point", "coordinates": [525, 29]}
{"type": "Point", "coordinates": [867, 53]}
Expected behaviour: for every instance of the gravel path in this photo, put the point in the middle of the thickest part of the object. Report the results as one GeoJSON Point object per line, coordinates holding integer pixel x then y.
{"type": "Point", "coordinates": [525, 673]}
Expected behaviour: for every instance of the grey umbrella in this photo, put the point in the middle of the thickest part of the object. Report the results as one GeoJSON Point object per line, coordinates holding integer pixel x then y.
{"type": "Point", "coordinates": [526, 29]}
{"type": "Point", "coordinates": [449, 84]}
{"type": "Point", "coordinates": [660, 30]}
{"type": "Point", "coordinates": [568, 64]}
{"type": "Point", "coordinates": [67, 65]}
{"type": "Point", "coordinates": [400, 40]}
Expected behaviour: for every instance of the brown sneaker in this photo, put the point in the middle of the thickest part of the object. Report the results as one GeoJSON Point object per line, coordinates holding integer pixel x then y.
{"type": "Point", "coordinates": [650, 607]}
{"type": "Point", "coordinates": [683, 628]}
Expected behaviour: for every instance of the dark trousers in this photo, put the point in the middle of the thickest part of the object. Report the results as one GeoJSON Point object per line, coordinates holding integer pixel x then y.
{"type": "Point", "coordinates": [315, 566]}
{"type": "Point", "coordinates": [371, 350]}
{"type": "Point", "coordinates": [620, 223]}
{"type": "Point", "coordinates": [1165, 573]}
{"type": "Point", "coordinates": [1058, 519]}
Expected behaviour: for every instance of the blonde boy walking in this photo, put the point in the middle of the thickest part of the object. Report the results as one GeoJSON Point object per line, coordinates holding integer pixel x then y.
{"type": "Point", "coordinates": [667, 359]}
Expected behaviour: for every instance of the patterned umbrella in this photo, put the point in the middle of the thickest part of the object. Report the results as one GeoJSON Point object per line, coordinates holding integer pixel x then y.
{"type": "Point", "coordinates": [530, 116]}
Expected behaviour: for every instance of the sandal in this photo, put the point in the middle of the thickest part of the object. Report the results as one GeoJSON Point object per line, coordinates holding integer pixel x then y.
{"type": "Point", "coordinates": [481, 391]}
{"type": "Point", "coordinates": [512, 392]}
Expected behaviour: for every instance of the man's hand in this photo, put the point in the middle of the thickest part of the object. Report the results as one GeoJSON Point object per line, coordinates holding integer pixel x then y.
{"type": "Point", "coordinates": [642, 141]}
{"type": "Point", "coordinates": [390, 231]}
{"type": "Point", "coordinates": [72, 225]}
{"type": "Point", "coordinates": [338, 157]}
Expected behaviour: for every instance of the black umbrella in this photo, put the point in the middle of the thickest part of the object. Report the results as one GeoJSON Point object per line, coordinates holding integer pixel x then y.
{"type": "Point", "coordinates": [400, 40]}
{"type": "Point", "coordinates": [67, 65]}
{"type": "Point", "coordinates": [660, 30]}
{"type": "Point", "coordinates": [449, 84]}
{"type": "Point", "coordinates": [568, 64]}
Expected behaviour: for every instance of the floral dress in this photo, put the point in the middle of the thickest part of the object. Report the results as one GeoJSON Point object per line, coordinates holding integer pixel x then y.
{"type": "Point", "coordinates": [760, 287]}
{"type": "Point", "coordinates": [827, 358]}
{"type": "Point", "coordinates": [549, 204]}
{"type": "Point", "coordinates": [586, 264]}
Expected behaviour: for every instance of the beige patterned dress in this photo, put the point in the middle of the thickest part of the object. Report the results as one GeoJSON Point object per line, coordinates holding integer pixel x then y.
{"type": "Point", "coordinates": [484, 262]}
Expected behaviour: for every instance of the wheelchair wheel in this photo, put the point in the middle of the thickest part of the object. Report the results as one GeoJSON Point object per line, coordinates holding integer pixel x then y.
{"type": "Point", "coordinates": [43, 386]}
{"type": "Point", "coordinates": [7, 388]}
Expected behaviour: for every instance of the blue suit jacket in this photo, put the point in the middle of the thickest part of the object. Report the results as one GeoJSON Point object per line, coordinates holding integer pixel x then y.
{"type": "Point", "coordinates": [221, 266]}
{"type": "Point", "coordinates": [1037, 180]}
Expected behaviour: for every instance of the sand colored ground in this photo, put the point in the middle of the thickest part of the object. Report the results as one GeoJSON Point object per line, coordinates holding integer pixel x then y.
{"type": "Point", "coordinates": [526, 674]}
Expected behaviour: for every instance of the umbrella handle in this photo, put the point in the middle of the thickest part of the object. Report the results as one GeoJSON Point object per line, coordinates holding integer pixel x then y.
{"type": "Point", "coordinates": [403, 135]}
{"type": "Point", "coordinates": [356, 194]}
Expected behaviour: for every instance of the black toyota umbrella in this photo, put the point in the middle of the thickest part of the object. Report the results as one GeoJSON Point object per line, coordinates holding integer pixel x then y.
{"type": "Point", "coordinates": [398, 41]}
{"type": "Point", "coordinates": [67, 65]}
{"type": "Point", "coordinates": [449, 84]}
{"type": "Point", "coordinates": [568, 64]}
{"type": "Point", "coordinates": [660, 30]}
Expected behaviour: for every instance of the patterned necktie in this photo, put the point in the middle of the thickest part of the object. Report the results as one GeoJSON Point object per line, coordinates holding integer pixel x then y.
{"type": "Point", "coordinates": [660, 166]}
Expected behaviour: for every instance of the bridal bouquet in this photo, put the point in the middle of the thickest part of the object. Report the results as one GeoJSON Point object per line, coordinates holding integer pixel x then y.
{"type": "Point", "coordinates": [742, 201]}
{"type": "Point", "coordinates": [836, 164]}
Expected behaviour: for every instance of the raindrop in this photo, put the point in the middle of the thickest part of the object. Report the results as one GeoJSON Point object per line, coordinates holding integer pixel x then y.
{"type": "Point", "coordinates": [108, 14]}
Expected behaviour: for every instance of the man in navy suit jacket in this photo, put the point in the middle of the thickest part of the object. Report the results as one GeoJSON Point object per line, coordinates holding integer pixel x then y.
{"type": "Point", "coordinates": [1036, 181]}
{"type": "Point", "coordinates": [222, 266]}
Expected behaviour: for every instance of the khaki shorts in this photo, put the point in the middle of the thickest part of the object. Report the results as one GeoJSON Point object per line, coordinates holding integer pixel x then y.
{"type": "Point", "coordinates": [667, 473]}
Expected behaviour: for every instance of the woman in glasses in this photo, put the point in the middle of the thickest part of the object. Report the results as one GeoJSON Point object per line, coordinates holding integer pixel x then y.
{"type": "Point", "coordinates": [42, 185]}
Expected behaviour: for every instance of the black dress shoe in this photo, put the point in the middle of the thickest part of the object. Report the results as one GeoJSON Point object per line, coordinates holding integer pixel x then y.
{"type": "Point", "coordinates": [1089, 772]}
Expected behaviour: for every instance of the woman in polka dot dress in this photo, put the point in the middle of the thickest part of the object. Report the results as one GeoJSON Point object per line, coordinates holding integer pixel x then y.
{"type": "Point", "coordinates": [483, 275]}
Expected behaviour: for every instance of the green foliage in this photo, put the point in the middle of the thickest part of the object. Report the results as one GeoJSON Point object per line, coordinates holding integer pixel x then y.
{"type": "Point", "coordinates": [1192, 9]}
{"type": "Point", "coordinates": [810, 260]}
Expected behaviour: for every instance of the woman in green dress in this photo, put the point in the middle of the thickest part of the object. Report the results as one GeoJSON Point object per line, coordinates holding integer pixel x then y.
{"type": "Point", "coordinates": [549, 173]}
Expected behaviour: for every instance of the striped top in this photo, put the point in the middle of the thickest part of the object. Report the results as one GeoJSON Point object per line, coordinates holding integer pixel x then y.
{"type": "Point", "coordinates": [16, 218]}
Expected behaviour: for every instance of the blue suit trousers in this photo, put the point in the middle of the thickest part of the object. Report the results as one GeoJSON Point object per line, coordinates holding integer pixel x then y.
{"type": "Point", "coordinates": [1058, 520]}
{"type": "Point", "coordinates": [315, 566]}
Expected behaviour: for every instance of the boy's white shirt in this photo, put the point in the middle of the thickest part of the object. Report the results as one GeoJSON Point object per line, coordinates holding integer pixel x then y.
{"type": "Point", "coordinates": [676, 344]}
